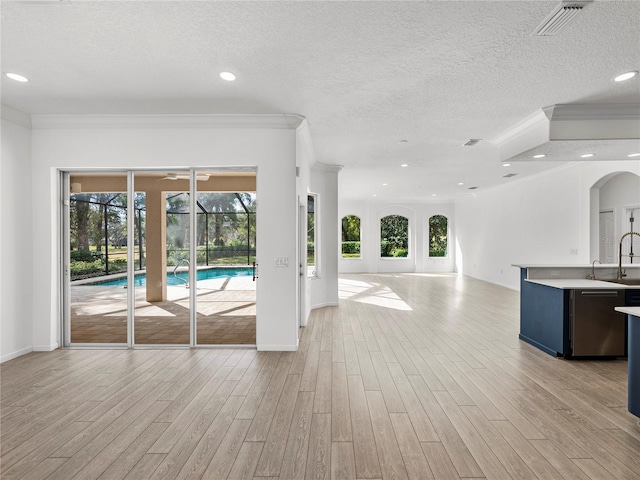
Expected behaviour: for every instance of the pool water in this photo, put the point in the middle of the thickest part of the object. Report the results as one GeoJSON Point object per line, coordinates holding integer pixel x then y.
{"type": "Point", "coordinates": [210, 273]}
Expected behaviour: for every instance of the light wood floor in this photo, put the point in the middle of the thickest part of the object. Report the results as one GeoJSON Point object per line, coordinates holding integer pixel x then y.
{"type": "Point", "coordinates": [410, 377]}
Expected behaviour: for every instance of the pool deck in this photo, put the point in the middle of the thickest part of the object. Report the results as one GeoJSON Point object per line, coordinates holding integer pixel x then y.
{"type": "Point", "coordinates": [226, 314]}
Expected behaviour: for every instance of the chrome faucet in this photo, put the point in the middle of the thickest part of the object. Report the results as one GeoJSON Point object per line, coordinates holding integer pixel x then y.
{"type": "Point", "coordinates": [593, 270]}
{"type": "Point", "coordinates": [621, 272]}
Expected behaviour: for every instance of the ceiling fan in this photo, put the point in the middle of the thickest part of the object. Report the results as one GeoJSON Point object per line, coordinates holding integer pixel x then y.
{"type": "Point", "coordinates": [202, 177]}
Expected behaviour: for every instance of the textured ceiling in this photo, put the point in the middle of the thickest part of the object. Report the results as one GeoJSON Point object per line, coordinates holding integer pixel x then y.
{"type": "Point", "coordinates": [366, 75]}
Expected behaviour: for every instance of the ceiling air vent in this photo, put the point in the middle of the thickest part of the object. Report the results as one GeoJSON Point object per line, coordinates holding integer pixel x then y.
{"type": "Point", "coordinates": [473, 188]}
{"type": "Point", "coordinates": [472, 142]}
{"type": "Point", "coordinates": [509, 175]}
{"type": "Point", "coordinates": [559, 18]}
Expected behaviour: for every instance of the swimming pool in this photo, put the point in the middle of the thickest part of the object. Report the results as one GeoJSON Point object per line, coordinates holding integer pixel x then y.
{"type": "Point", "coordinates": [206, 274]}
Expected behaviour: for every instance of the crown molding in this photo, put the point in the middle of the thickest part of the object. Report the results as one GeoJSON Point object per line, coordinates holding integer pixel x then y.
{"type": "Point", "coordinates": [326, 167]}
{"type": "Point", "coordinates": [18, 117]}
{"type": "Point", "coordinates": [268, 121]}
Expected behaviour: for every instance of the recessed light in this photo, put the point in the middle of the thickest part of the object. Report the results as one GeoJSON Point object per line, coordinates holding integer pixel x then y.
{"type": "Point", "coordinates": [631, 155]}
{"type": "Point", "coordinates": [228, 76]}
{"type": "Point", "coordinates": [375, 195]}
{"type": "Point", "coordinates": [385, 184]}
{"type": "Point", "coordinates": [404, 165]}
{"type": "Point", "coordinates": [506, 164]}
{"type": "Point", "coordinates": [625, 76]}
{"type": "Point", "coordinates": [587, 155]}
{"type": "Point", "coordinates": [460, 183]}
{"type": "Point", "coordinates": [540, 155]}
{"type": "Point", "coordinates": [17, 77]}
{"type": "Point", "coordinates": [434, 194]}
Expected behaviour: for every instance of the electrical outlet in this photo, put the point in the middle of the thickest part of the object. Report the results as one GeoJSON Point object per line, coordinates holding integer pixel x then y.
{"type": "Point", "coordinates": [281, 262]}
{"type": "Point", "coordinates": [574, 251]}
{"type": "Point", "coordinates": [555, 273]}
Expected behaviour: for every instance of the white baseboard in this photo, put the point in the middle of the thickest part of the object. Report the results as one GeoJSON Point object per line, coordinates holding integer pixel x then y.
{"type": "Point", "coordinates": [326, 304]}
{"type": "Point", "coordinates": [277, 348]}
{"type": "Point", "coordinates": [45, 348]}
{"type": "Point", "coordinates": [16, 354]}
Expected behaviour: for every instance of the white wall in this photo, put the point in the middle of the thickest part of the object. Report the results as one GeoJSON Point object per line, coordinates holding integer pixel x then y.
{"type": "Point", "coordinates": [17, 250]}
{"type": "Point", "coordinates": [172, 142]}
{"type": "Point", "coordinates": [324, 288]}
{"type": "Point", "coordinates": [542, 219]}
{"type": "Point", "coordinates": [418, 260]}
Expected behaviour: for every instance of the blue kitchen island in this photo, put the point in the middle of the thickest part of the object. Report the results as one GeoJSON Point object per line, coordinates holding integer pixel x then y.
{"type": "Point", "coordinates": [633, 358]}
{"type": "Point", "coordinates": [565, 314]}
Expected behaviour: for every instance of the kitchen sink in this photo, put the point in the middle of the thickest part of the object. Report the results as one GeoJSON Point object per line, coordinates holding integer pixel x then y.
{"type": "Point", "coordinates": [626, 281]}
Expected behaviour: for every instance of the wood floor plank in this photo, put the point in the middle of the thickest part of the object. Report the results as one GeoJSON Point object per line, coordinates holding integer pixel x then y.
{"type": "Point", "coordinates": [392, 398]}
{"type": "Point", "coordinates": [511, 461]}
{"type": "Point", "coordinates": [43, 470]}
{"type": "Point", "coordinates": [351, 356]}
{"type": "Point", "coordinates": [310, 373]}
{"type": "Point", "coordinates": [368, 373]}
{"type": "Point", "coordinates": [227, 451]}
{"type": "Point", "coordinates": [102, 460]}
{"type": "Point", "coordinates": [483, 454]}
{"type": "Point", "coordinates": [192, 411]}
{"type": "Point", "coordinates": [340, 411]}
{"type": "Point", "coordinates": [193, 451]}
{"type": "Point", "coordinates": [456, 448]}
{"type": "Point", "coordinates": [439, 460]}
{"type": "Point", "coordinates": [134, 453]}
{"type": "Point", "coordinates": [391, 462]}
{"type": "Point", "coordinates": [532, 457]}
{"type": "Point", "coordinates": [414, 460]}
{"type": "Point", "coordinates": [323, 390]}
{"type": "Point", "coordinates": [343, 463]}
{"type": "Point", "coordinates": [295, 454]}
{"type": "Point", "coordinates": [337, 349]}
{"type": "Point", "coordinates": [364, 444]}
{"type": "Point", "coordinates": [276, 441]}
{"type": "Point", "coordinates": [38, 446]}
{"type": "Point", "coordinates": [264, 405]}
{"type": "Point", "coordinates": [257, 389]}
{"type": "Point", "coordinates": [319, 457]}
{"type": "Point", "coordinates": [410, 376]}
{"type": "Point", "coordinates": [419, 419]}
{"type": "Point", "coordinates": [246, 461]}
{"type": "Point", "coordinates": [146, 467]}
{"type": "Point", "coordinates": [558, 460]}
{"type": "Point", "coordinates": [90, 461]}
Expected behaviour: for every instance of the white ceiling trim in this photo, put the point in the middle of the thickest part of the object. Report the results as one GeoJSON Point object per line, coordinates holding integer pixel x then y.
{"type": "Point", "coordinates": [15, 116]}
{"type": "Point", "coordinates": [562, 123]}
{"type": "Point", "coordinates": [278, 121]}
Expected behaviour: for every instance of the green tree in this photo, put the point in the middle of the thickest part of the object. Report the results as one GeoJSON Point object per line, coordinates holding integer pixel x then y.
{"type": "Point", "coordinates": [394, 236]}
{"type": "Point", "coordinates": [438, 242]}
{"type": "Point", "coordinates": [80, 220]}
{"type": "Point", "coordinates": [350, 228]}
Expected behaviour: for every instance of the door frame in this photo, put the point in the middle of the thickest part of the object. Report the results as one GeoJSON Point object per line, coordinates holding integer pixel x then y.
{"type": "Point", "coordinates": [65, 257]}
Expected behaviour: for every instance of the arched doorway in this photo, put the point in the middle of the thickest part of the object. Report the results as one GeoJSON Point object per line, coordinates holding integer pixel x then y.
{"type": "Point", "coordinates": [615, 210]}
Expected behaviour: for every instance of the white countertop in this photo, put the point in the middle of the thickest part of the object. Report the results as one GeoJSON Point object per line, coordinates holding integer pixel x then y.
{"type": "Point", "coordinates": [579, 283]}
{"type": "Point", "coordinates": [597, 266]}
{"type": "Point", "coordinates": [635, 311]}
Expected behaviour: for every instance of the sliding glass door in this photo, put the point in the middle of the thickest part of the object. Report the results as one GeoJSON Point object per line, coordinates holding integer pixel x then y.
{"type": "Point", "coordinates": [162, 289]}
{"type": "Point", "coordinates": [157, 258]}
{"type": "Point", "coordinates": [226, 249]}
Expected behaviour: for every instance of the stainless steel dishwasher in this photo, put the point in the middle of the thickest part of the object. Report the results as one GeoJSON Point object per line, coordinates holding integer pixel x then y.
{"type": "Point", "coordinates": [596, 328]}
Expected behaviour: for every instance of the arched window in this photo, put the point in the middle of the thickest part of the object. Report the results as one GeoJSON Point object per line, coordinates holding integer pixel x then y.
{"type": "Point", "coordinates": [394, 236]}
{"type": "Point", "coordinates": [350, 236]}
{"type": "Point", "coordinates": [438, 240]}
